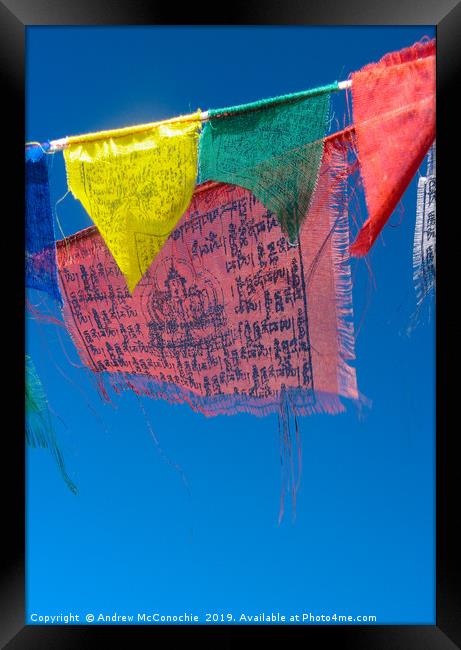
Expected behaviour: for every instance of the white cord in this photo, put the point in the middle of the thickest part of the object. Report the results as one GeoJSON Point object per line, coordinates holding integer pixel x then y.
{"type": "Point", "coordinates": [61, 143]}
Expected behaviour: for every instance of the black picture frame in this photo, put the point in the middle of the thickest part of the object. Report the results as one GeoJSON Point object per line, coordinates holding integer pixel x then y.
{"type": "Point", "coordinates": [15, 16]}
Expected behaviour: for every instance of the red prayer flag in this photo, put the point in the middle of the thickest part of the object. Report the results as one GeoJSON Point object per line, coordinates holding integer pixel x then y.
{"type": "Point", "coordinates": [394, 118]}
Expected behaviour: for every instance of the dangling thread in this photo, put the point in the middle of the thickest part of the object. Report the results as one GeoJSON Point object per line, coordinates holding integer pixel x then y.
{"type": "Point", "coordinates": [289, 479]}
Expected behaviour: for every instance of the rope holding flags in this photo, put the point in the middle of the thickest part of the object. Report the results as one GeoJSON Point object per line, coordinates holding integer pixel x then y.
{"type": "Point", "coordinates": [233, 295]}
{"type": "Point", "coordinates": [137, 182]}
{"type": "Point", "coordinates": [137, 185]}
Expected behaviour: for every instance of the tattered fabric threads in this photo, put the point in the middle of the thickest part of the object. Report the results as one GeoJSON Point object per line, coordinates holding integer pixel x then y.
{"type": "Point", "coordinates": [425, 232]}
{"type": "Point", "coordinates": [39, 428]}
{"type": "Point", "coordinates": [228, 312]}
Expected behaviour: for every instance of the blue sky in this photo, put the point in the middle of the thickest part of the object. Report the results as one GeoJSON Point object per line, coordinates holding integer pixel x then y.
{"type": "Point", "coordinates": [136, 539]}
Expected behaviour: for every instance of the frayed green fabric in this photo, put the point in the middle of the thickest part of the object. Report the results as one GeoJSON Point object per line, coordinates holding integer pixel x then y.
{"type": "Point", "coordinates": [39, 427]}
{"type": "Point", "coordinates": [273, 148]}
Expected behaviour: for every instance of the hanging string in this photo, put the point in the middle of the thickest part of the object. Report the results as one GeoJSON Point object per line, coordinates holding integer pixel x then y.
{"type": "Point", "coordinates": [62, 143]}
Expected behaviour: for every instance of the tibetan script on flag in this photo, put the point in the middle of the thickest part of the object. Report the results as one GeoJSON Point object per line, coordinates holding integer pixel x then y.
{"type": "Point", "coordinates": [425, 232]}
{"type": "Point", "coordinates": [228, 316]}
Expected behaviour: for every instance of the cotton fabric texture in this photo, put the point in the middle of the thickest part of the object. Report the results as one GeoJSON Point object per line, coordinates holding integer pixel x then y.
{"type": "Point", "coordinates": [135, 188]}
{"type": "Point", "coordinates": [40, 244]}
{"type": "Point", "coordinates": [424, 247]}
{"type": "Point", "coordinates": [272, 148]}
{"type": "Point", "coordinates": [394, 118]}
{"type": "Point", "coordinates": [228, 317]}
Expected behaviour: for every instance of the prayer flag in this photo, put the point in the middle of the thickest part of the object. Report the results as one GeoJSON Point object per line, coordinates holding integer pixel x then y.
{"type": "Point", "coordinates": [394, 118]}
{"type": "Point", "coordinates": [40, 242]}
{"type": "Point", "coordinates": [39, 427]}
{"type": "Point", "coordinates": [136, 187]}
{"type": "Point", "coordinates": [272, 148]}
{"type": "Point", "coordinates": [425, 232]}
{"type": "Point", "coordinates": [228, 317]}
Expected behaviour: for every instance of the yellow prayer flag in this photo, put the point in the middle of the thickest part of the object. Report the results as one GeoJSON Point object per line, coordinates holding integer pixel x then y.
{"type": "Point", "coordinates": [135, 188]}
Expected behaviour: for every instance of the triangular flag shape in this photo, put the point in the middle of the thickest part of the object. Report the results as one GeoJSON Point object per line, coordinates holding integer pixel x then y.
{"type": "Point", "coordinates": [394, 119]}
{"type": "Point", "coordinates": [135, 188]}
{"type": "Point", "coordinates": [272, 148]}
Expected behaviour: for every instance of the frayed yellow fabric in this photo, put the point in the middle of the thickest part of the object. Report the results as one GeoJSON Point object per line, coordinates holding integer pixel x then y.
{"type": "Point", "coordinates": [135, 188]}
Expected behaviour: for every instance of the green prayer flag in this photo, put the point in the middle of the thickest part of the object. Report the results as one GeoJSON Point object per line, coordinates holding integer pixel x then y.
{"type": "Point", "coordinates": [39, 427]}
{"type": "Point", "coordinates": [273, 148]}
